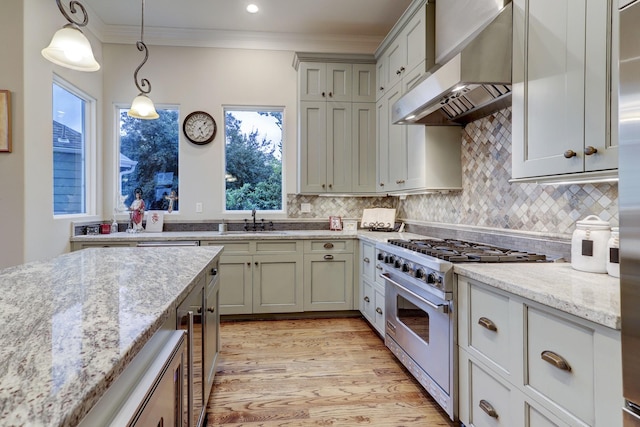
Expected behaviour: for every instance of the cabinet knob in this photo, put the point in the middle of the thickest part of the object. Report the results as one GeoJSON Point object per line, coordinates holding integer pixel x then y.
{"type": "Point", "coordinates": [367, 299]}
{"type": "Point", "coordinates": [381, 88]}
{"type": "Point", "coordinates": [556, 360]}
{"type": "Point", "coordinates": [330, 185]}
{"type": "Point", "coordinates": [328, 245]}
{"type": "Point", "coordinates": [365, 259]}
{"type": "Point", "coordinates": [569, 154]}
{"type": "Point", "coordinates": [398, 72]}
{"type": "Point", "coordinates": [330, 94]}
{"type": "Point", "coordinates": [214, 271]}
{"type": "Point", "coordinates": [328, 257]}
{"type": "Point", "coordinates": [323, 186]}
{"type": "Point", "coordinates": [378, 310]}
{"type": "Point", "coordinates": [589, 150]}
{"type": "Point", "coordinates": [248, 264]}
{"type": "Point", "coordinates": [402, 69]}
{"type": "Point", "coordinates": [211, 309]}
{"type": "Point", "coordinates": [256, 263]}
{"type": "Point", "coordinates": [400, 181]}
{"type": "Point", "coordinates": [382, 184]}
{"type": "Point", "coordinates": [488, 408]}
{"type": "Point", "coordinates": [324, 95]}
{"type": "Point", "coordinates": [488, 324]}
{"type": "Point", "coordinates": [379, 267]}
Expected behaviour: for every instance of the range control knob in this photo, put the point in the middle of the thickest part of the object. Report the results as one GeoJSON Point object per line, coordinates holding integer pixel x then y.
{"type": "Point", "coordinates": [389, 259]}
{"type": "Point", "coordinates": [380, 256]}
{"type": "Point", "coordinates": [419, 273]}
{"type": "Point", "coordinates": [433, 278]}
{"type": "Point", "coordinates": [397, 263]}
{"type": "Point", "coordinates": [405, 267]}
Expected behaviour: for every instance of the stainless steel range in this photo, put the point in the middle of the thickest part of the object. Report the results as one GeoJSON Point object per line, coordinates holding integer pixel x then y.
{"type": "Point", "coordinates": [419, 300]}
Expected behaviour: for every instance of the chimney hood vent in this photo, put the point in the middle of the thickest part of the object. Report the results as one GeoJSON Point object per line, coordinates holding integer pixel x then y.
{"type": "Point", "coordinates": [474, 82]}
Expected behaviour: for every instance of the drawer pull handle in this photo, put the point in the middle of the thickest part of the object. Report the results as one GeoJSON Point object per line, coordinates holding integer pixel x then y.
{"type": "Point", "coordinates": [366, 260]}
{"type": "Point", "coordinates": [589, 150]}
{"type": "Point", "coordinates": [367, 299]}
{"type": "Point", "coordinates": [328, 245]}
{"type": "Point", "coordinates": [556, 360]}
{"type": "Point", "coordinates": [488, 408]}
{"type": "Point", "coordinates": [379, 267]}
{"type": "Point", "coordinates": [328, 257]}
{"type": "Point", "coordinates": [569, 154]}
{"type": "Point", "coordinates": [378, 310]}
{"type": "Point", "coordinates": [488, 324]}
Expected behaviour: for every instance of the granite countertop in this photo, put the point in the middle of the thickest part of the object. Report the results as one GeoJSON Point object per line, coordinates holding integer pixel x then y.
{"type": "Point", "coordinates": [591, 296]}
{"type": "Point", "coordinates": [216, 236]}
{"type": "Point", "coordinates": [71, 324]}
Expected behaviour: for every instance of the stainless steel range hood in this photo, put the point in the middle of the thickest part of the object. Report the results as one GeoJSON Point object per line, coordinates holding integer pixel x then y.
{"type": "Point", "coordinates": [475, 80]}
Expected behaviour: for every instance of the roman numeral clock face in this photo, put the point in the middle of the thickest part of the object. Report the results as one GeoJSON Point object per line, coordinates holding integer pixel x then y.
{"type": "Point", "coordinates": [199, 127]}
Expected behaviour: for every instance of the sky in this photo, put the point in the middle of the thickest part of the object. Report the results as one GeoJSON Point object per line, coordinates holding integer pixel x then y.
{"type": "Point", "coordinates": [265, 125]}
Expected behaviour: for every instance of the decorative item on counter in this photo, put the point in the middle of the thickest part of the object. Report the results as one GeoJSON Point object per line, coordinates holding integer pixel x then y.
{"type": "Point", "coordinates": [114, 226]}
{"type": "Point", "coordinates": [155, 221]}
{"type": "Point", "coordinates": [222, 227]}
{"type": "Point", "coordinates": [172, 199]}
{"type": "Point", "coordinates": [350, 225]}
{"type": "Point", "coordinates": [335, 223]}
{"type": "Point", "coordinates": [136, 212]}
{"type": "Point", "coordinates": [93, 230]}
{"type": "Point", "coordinates": [105, 228]}
{"type": "Point", "coordinates": [613, 253]}
{"type": "Point", "coordinates": [589, 245]}
{"type": "Point", "coordinates": [378, 219]}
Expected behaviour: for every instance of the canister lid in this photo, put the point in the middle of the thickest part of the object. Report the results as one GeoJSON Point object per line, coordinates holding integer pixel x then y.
{"type": "Point", "coordinates": [593, 222]}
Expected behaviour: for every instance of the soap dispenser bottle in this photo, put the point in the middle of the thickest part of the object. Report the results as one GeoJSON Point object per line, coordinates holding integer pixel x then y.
{"type": "Point", "coordinates": [114, 226]}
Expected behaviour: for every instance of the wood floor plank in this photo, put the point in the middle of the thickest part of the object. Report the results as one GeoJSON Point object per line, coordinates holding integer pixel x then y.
{"type": "Point", "coordinates": [314, 372]}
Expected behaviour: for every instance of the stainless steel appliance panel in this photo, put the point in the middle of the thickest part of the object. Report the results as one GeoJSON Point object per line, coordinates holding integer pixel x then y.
{"type": "Point", "coordinates": [629, 205]}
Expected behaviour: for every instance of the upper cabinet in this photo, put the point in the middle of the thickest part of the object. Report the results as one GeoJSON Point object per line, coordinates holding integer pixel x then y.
{"type": "Point", "coordinates": [336, 112]}
{"type": "Point", "coordinates": [412, 158]}
{"type": "Point", "coordinates": [562, 90]}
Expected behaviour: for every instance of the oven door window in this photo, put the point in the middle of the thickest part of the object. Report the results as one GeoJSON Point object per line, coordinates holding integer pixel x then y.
{"type": "Point", "coordinates": [413, 317]}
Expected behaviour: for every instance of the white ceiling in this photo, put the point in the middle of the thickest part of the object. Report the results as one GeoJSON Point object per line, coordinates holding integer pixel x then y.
{"type": "Point", "coordinates": [322, 25]}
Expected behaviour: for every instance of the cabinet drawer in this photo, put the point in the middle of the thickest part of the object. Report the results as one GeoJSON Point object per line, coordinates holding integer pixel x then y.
{"type": "Point", "coordinates": [488, 325]}
{"type": "Point", "coordinates": [490, 402]}
{"type": "Point", "coordinates": [324, 246]}
{"type": "Point", "coordinates": [276, 246]}
{"type": "Point", "coordinates": [560, 362]}
{"type": "Point", "coordinates": [367, 261]}
{"type": "Point", "coordinates": [232, 247]}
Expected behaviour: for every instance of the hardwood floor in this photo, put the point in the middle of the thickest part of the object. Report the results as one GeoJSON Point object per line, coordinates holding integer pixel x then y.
{"type": "Point", "coordinates": [317, 372]}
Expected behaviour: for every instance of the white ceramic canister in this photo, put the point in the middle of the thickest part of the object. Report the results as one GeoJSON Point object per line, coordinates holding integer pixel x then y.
{"type": "Point", "coordinates": [613, 253]}
{"type": "Point", "coordinates": [589, 245]}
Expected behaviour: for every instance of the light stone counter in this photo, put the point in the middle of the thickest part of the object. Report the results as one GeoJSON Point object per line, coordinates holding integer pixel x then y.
{"type": "Point", "coordinates": [71, 324]}
{"type": "Point", "coordinates": [591, 296]}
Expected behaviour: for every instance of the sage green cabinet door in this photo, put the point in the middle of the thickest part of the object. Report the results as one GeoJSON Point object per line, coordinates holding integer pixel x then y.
{"type": "Point", "coordinates": [328, 282]}
{"type": "Point", "coordinates": [363, 148]}
{"type": "Point", "coordinates": [277, 283]}
{"type": "Point", "coordinates": [313, 147]}
{"type": "Point", "coordinates": [339, 151]}
{"type": "Point", "coordinates": [364, 83]}
{"type": "Point", "coordinates": [236, 281]}
{"type": "Point", "coordinates": [562, 87]}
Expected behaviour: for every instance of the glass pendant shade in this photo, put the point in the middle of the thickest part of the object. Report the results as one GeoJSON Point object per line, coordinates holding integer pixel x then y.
{"type": "Point", "coordinates": [70, 48]}
{"type": "Point", "coordinates": [142, 108]}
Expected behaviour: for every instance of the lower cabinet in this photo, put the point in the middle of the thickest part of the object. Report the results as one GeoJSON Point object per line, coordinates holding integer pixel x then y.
{"type": "Point", "coordinates": [328, 275]}
{"type": "Point", "coordinates": [261, 276]}
{"type": "Point", "coordinates": [525, 364]}
{"type": "Point", "coordinates": [371, 303]}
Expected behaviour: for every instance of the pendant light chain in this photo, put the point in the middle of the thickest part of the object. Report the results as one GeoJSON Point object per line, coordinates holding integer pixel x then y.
{"type": "Point", "coordinates": [72, 8]}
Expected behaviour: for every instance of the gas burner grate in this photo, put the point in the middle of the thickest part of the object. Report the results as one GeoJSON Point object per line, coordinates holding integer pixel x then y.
{"type": "Point", "coordinates": [460, 251]}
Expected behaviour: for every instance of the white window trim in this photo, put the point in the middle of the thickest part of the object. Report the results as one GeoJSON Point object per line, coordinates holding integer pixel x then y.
{"type": "Point", "coordinates": [91, 158]}
{"type": "Point", "coordinates": [275, 214]}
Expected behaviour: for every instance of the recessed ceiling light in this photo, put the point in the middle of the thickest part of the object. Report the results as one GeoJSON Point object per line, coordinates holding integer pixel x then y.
{"type": "Point", "coordinates": [252, 8]}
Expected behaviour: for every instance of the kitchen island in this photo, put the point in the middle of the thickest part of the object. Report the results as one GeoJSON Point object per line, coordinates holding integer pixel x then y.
{"type": "Point", "coordinates": [72, 324]}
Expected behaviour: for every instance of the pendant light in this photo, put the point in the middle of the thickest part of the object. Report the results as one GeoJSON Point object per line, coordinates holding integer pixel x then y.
{"type": "Point", "coordinates": [142, 106]}
{"type": "Point", "coordinates": [69, 47]}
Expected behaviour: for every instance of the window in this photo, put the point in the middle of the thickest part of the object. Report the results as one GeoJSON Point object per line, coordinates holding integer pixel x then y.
{"type": "Point", "coordinates": [72, 111]}
{"type": "Point", "coordinates": [149, 160]}
{"type": "Point", "coordinates": [253, 159]}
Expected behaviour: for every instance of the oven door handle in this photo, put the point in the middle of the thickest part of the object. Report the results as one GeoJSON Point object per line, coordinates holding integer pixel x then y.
{"type": "Point", "coordinates": [442, 308]}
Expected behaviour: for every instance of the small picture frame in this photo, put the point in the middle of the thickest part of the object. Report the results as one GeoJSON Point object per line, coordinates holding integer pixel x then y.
{"type": "Point", "coordinates": [335, 223]}
{"type": "Point", "coordinates": [155, 221]}
{"type": "Point", "coordinates": [5, 121]}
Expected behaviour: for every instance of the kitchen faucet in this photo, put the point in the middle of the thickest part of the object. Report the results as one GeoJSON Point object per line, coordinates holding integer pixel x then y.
{"type": "Point", "coordinates": [255, 226]}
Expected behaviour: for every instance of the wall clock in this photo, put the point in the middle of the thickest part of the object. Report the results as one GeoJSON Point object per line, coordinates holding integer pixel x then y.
{"type": "Point", "coordinates": [199, 127]}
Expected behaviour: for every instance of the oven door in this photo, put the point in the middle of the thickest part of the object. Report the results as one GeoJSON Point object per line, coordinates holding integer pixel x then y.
{"type": "Point", "coordinates": [420, 324]}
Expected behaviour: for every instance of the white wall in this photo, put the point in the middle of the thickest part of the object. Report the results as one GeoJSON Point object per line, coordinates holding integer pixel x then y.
{"type": "Point", "coordinates": [12, 164]}
{"type": "Point", "coordinates": [200, 79]}
{"type": "Point", "coordinates": [44, 236]}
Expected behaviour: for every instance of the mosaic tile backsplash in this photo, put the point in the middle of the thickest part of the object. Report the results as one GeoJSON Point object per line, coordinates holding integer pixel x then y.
{"type": "Point", "coordinates": [488, 199]}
